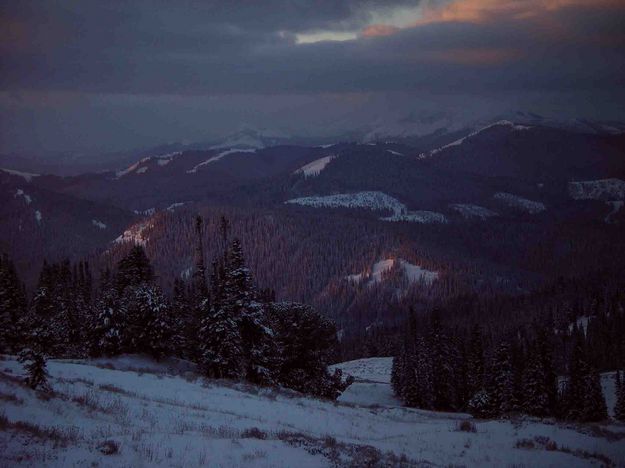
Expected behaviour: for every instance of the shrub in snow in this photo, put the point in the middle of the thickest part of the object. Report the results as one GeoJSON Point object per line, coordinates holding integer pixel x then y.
{"type": "Point", "coordinates": [466, 426]}
{"type": "Point", "coordinates": [253, 433]}
{"type": "Point", "coordinates": [480, 405]}
{"type": "Point", "coordinates": [109, 447]}
{"type": "Point", "coordinates": [35, 365]}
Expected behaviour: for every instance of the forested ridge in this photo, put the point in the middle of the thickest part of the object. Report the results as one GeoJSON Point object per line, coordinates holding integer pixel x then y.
{"type": "Point", "coordinates": [218, 319]}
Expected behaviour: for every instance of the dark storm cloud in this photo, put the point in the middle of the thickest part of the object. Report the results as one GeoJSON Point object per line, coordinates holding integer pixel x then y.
{"type": "Point", "coordinates": [120, 72]}
{"type": "Point", "coordinates": [249, 47]}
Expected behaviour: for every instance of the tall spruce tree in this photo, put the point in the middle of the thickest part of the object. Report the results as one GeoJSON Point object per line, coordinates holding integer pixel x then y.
{"type": "Point", "coordinates": [502, 386]}
{"type": "Point", "coordinates": [619, 406]}
{"type": "Point", "coordinates": [536, 395]}
{"type": "Point", "coordinates": [475, 362]}
{"type": "Point", "coordinates": [12, 306]}
{"type": "Point", "coordinates": [133, 270]}
{"type": "Point", "coordinates": [108, 320]}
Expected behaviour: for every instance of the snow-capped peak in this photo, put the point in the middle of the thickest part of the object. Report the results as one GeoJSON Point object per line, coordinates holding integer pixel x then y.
{"type": "Point", "coordinates": [500, 123]}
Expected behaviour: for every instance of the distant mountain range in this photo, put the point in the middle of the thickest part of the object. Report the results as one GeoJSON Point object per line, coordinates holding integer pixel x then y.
{"type": "Point", "coordinates": [500, 206]}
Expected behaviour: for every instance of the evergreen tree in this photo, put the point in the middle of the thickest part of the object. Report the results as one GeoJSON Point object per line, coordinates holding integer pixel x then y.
{"type": "Point", "coordinates": [619, 407]}
{"type": "Point", "coordinates": [583, 395]}
{"type": "Point", "coordinates": [108, 320]}
{"type": "Point", "coordinates": [475, 362]}
{"type": "Point", "coordinates": [34, 362]}
{"type": "Point", "coordinates": [305, 341]}
{"type": "Point", "coordinates": [134, 269]}
{"type": "Point", "coordinates": [441, 366]}
{"type": "Point", "coordinates": [148, 327]}
{"type": "Point", "coordinates": [220, 344]}
{"type": "Point", "coordinates": [536, 395]}
{"type": "Point", "coordinates": [595, 408]}
{"type": "Point", "coordinates": [241, 304]}
{"type": "Point", "coordinates": [12, 306]}
{"type": "Point", "coordinates": [502, 388]}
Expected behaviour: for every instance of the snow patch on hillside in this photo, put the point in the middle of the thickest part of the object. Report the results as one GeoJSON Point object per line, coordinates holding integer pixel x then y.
{"type": "Point", "coordinates": [219, 157]}
{"type": "Point", "coordinates": [377, 201]}
{"type": "Point", "coordinates": [472, 211]}
{"type": "Point", "coordinates": [420, 216]}
{"type": "Point", "coordinates": [38, 216]}
{"type": "Point", "coordinates": [520, 203]}
{"type": "Point", "coordinates": [173, 206]}
{"type": "Point", "coordinates": [135, 234]}
{"type": "Point", "coordinates": [603, 189]}
{"type": "Point", "coordinates": [414, 273]}
{"type": "Point", "coordinates": [458, 142]}
{"type": "Point", "coordinates": [27, 176]}
{"type": "Point", "coordinates": [20, 193]}
{"type": "Point", "coordinates": [314, 168]}
{"type": "Point", "coordinates": [396, 153]}
{"type": "Point", "coordinates": [98, 224]}
{"type": "Point", "coordinates": [132, 168]}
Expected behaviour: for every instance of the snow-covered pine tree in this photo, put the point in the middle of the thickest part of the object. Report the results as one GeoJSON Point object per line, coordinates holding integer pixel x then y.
{"type": "Point", "coordinates": [595, 408]}
{"type": "Point", "coordinates": [241, 303]}
{"type": "Point", "coordinates": [583, 396]}
{"type": "Point", "coordinates": [186, 320]}
{"type": "Point", "coordinates": [441, 365]}
{"type": "Point", "coordinates": [502, 388]}
{"type": "Point", "coordinates": [34, 361]}
{"type": "Point", "coordinates": [619, 406]}
{"type": "Point", "coordinates": [199, 273]}
{"type": "Point", "coordinates": [12, 306]}
{"type": "Point", "coordinates": [574, 394]}
{"type": "Point", "coordinates": [107, 320]}
{"type": "Point", "coordinates": [475, 362]}
{"type": "Point", "coordinates": [148, 327]}
{"type": "Point", "coordinates": [220, 345]}
{"type": "Point", "coordinates": [305, 341]}
{"type": "Point", "coordinates": [134, 269]}
{"type": "Point", "coordinates": [420, 389]}
{"type": "Point", "coordinates": [535, 394]}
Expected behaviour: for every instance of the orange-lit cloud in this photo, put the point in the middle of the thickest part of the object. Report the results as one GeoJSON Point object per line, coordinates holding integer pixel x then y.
{"type": "Point", "coordinates": [479, 56]}
{"type": "Point", "coordinates": [487, 11]}
{"type": "Point", "coordinates": [481, 11]}
{"type": "Point", "coordinates": [379, 30]}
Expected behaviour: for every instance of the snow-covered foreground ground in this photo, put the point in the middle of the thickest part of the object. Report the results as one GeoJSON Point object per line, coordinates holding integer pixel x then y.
{"type": "Point", "coordinates": [162, 414]}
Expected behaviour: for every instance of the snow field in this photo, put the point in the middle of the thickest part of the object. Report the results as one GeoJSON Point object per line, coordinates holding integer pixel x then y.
{"type": "Point", "coordinates": [162, 414]}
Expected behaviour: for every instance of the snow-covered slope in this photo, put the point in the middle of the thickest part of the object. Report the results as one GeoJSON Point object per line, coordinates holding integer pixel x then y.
{"type": "Point", "coordinates": [220, 156]}
{"type": "Point", "coordinates": [377, 201]}
{"type": "Point", "coordinates": [604, 189]}
{"type": "Point", "coordinates": [469, 211]}
{"type": "Point", "coordinates": [520, 203]}
{"type": "Point", "coordinates": [141, 166]}
{"type": "Point", "coordinates": [414, 273]}
{"type": "Point", "coordinates": [135, 234]}
{"type": "Point", "coordinates": [315, 167]}
{"type": "Point", "coordinates": [27, 176]}
{"type": "Point", "coordinates": [419, 216]}
{"type": "Point", "coordinates": [163, 414]}
{"type": "Point", "coordinates": [458, 142]}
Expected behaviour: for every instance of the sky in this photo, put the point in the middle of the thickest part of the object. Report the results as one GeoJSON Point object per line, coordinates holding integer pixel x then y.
{"type": "Point", "coordinates": [101, 76]}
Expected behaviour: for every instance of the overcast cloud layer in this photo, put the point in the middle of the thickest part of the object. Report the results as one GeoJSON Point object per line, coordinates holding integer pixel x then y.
{"type": "Point", "coordinates": [109, 75]}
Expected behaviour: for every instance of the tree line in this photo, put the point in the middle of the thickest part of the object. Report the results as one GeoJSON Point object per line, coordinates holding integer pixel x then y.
{"type": "Point", "coordinates": [445, 369]}
{"type": "Point", "coordinates": [218, 319]}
